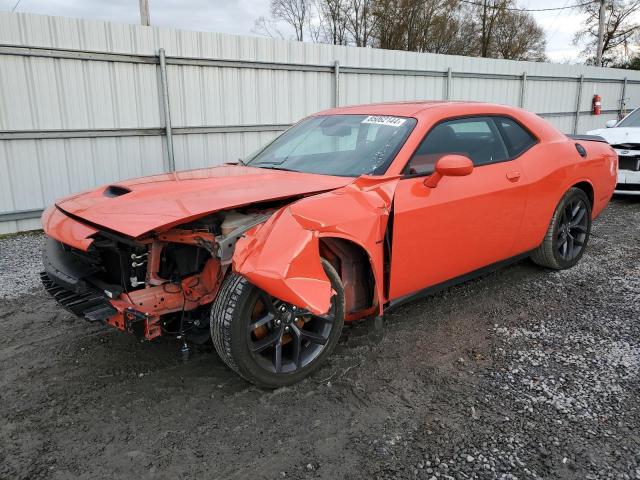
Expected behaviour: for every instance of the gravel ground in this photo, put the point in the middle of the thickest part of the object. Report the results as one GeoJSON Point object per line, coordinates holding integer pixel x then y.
{"type": "Point", "coordinates": [524, 373]}
{"type": "Point", "coordinates": [20, 264]}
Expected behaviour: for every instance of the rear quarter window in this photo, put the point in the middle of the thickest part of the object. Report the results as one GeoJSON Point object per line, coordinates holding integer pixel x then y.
{"type": "Point", "coordinates": [515, 136]}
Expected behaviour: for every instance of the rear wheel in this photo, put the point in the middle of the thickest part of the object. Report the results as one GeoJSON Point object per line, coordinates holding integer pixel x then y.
{"type": "Point", "coordinates": [568, 232]}
{"type": "Point", "coordinates": [269, 342]}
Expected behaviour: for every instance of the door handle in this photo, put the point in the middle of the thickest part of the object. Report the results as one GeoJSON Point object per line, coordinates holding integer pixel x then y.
{"type": "Point", "coordinates": [513, 176]}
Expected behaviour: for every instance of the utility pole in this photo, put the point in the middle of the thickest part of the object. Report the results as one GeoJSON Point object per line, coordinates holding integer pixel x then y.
{"type": "Point", "coordinates": [145, 19]}
{"type": "Point", "coordinates": [600, 33]}
{"type": "Point", "coordinates": [483, 46]}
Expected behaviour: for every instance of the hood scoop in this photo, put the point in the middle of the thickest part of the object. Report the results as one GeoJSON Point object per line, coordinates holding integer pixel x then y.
{"type": "Point", "coordinates": [115, 191]}
{"type": "Point", "coordinates": [136, 207]}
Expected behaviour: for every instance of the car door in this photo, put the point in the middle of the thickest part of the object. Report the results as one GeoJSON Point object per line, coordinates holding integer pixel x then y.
{"type": "Point", "coordinates": [464, 223]}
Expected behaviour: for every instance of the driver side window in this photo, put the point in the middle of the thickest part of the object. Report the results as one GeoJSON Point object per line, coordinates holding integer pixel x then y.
{"type": "Point", "coordinates": [474, 137]}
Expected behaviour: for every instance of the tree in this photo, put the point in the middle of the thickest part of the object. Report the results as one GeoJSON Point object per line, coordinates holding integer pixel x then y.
{"type": "Point", "coordinates": [266, 27]}
{"type": "Point", "coordinates": [333, 20]}
{"type": "Point", "coordinates": [491, 12]}
{"type": "Point", "coordinates": [518, 37]}
{"type": "Point", "coordinates": [390, 18]}
{"type": "Point", "coordinates": [488, 28]}
{"type": "Point", "coordinates": [361, 21]}
{"type": "Point", "coordinates": [620, 30]}
{"type": "Point", "coordinates": [293, 12]}
{"type": "Point", "coordinates": [452, 30]}
{"type": "Point", "coordinates": [503, 31]}
{"type": "Point", "coordinates": [631, 64]}
{"type": "Point", "coordinates": [433, 26]}
{"type": "Point", "coordinates": [436, 26]}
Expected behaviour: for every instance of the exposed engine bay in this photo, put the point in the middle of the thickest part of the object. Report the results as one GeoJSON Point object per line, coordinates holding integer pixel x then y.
{"type": "Point", "coordinates": [160, 284]}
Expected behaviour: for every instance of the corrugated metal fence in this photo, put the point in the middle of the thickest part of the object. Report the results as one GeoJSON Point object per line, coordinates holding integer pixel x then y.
{"type": "Point", "coordinates": [83, 103]}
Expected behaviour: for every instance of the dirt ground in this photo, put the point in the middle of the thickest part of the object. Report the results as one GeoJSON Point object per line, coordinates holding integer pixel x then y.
{"type": "Point", "coordinates": [524, 373]}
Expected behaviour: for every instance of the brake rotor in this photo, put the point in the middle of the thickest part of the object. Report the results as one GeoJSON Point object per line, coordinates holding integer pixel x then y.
{"type": "Point", "coordinates": [261, 331]}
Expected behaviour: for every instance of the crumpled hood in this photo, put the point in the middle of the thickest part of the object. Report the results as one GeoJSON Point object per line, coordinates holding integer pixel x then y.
{"type": "Point", "coordinates": [138, 206]}
{"type": "Point", "coordinates": [616, 136]}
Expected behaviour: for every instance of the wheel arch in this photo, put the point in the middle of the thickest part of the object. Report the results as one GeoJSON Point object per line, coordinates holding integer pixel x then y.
{"type": "Point", "coordinates": [282, 255]}
{"type": "Point", "coordinates": [561, 231]}
{"type": "Point", "coordinates": [587, 188]}
{"type": "Point", "coordinates": [356, 269]}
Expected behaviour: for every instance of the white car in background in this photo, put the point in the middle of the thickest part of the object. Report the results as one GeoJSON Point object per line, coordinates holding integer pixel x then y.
{"type": "Point", "coordinates": [624, 137]}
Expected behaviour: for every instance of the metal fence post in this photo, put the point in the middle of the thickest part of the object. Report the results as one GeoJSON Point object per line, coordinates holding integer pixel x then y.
{"type": "Point", "coordinates": [336, 83]}
{"type": "Point", "coordinates": [449, 81]}
{"type": "Point", "coordinates": [523, 89]}
{"type": "Point", "coordinates": [623, 100]}
{"type": "Point", "coordinates": [578, 103]}
{"type": "Point", "coordinates": [170, 163]}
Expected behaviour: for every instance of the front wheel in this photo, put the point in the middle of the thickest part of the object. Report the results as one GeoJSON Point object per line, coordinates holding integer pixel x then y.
{"type": "Point", "coordinates": [269, 342]}
{"type": "Point", "coordinates": [568, 232]}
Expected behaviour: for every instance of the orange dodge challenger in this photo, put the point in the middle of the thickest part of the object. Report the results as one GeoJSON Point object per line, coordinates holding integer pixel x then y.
{"type": "Point", "coordinates": [348, 213]}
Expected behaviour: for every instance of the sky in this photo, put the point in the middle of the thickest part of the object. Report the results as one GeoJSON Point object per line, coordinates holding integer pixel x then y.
{"type": "Point", "coordinates": [238, 16]}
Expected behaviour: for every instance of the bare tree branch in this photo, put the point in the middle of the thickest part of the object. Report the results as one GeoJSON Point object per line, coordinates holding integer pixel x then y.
{"type": "Point", "coordinates": [489, 28]}
{"type": "Point", "coordinates": [267, 28]}
{"type": "Point", "coordinates": [293, 12]}
{"type": "Point", "coordinates": [620, 30]}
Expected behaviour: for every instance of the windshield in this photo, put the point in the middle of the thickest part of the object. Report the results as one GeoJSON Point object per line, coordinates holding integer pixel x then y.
{"type": "Point", "coordinates": [632, 120]}
{"type": "Point", "coordinates": [343, 145]}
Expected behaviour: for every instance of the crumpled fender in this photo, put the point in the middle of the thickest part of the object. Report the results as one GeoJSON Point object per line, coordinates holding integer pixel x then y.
{"type": "Point", "coordinates": [282, 256]}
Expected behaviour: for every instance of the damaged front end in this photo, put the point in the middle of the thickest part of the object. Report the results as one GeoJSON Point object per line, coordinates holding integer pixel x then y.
{"type": "Point", "coordinates": [162, 283]}
{"type": "Point", "coordinates": [282, 256]}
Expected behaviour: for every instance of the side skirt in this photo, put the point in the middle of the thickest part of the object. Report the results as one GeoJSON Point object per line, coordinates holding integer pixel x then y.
{"type": "Point", "coordinates": [425, 292]}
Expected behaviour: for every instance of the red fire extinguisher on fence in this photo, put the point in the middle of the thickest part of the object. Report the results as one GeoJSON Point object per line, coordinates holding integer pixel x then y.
{"type": "Point", "coordinates": [596, 105]}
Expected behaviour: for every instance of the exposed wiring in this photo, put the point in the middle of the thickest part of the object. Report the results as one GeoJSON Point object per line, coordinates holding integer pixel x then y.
{"type": "Point", "coordinates": [184, 304]}
{"type": "Point", "coordinates": [512, 9]}
{"type": "Point", "coordinates": [169, 332]}
{"type": "Point", "coordinates": [197, 299]}
{"type": "Point", "coordinates": [181, 331]}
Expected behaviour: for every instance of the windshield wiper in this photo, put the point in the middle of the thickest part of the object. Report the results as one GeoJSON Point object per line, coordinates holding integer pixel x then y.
{"type": "Point", "coordinates": [276, 168]}
{"type": "Point", "coordinates": [237, 162]}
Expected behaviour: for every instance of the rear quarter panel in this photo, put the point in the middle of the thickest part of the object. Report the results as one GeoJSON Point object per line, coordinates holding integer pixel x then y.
{"type": "Point", "coordinates": [552, 169]}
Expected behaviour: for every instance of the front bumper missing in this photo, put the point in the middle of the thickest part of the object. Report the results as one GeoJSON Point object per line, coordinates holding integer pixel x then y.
{"type": "Point", "coordinates": [69, 278]}
{"type": "Point", "coordinates": [71, 283]}
{"type": "Point", "coordinates": [96, 307]}
{"type": "Point", "coordinates": [89, 304]}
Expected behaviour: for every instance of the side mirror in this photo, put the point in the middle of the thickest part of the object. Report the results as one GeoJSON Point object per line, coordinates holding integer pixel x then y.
{"type": "Point", "coordinates": [610, 123]}
{"type": "Point", "coordinates": [449, 166]}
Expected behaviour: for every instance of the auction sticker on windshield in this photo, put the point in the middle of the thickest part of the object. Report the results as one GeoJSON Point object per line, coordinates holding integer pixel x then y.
{"type": "Point", "coordinates": [385, 120]}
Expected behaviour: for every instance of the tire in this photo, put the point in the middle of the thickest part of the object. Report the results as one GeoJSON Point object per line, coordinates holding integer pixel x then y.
{"type": "Point", "coordinates": [568, 232]}
{"type": "Point", "coordinates": [233, 315]}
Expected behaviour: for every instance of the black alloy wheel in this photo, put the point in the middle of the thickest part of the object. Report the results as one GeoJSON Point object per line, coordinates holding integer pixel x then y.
{"type": "Point", "coordinates": [568, 232]}
{"type": "Point", "coordinates": [283, 338]}
{"type": "Point", "coordinates": [572, 229]}
{"type": "Point", "coordinates": [269, 342]}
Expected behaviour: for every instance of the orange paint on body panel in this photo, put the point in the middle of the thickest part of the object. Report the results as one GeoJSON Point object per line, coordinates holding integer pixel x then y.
{"type": "Point", "coordinates": [416, 230]}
